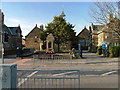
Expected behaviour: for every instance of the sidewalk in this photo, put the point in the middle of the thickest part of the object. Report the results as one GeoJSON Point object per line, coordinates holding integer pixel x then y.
{"type": "Point", "coordinates": [12, 59]}
{"type": "Point", "coordinates": [89, 55]}
{"type": "Point", "coordinates": [93, 58]}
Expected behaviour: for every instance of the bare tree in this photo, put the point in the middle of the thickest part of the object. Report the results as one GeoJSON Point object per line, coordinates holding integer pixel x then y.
{"type": "Point", "coordinates": [107, 13]}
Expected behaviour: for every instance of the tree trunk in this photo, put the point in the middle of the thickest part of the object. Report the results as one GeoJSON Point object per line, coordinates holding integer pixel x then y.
{"type": "Point", "coordinates": [58, 47]}
{"type": "Point", "coordinates": [58, 43]}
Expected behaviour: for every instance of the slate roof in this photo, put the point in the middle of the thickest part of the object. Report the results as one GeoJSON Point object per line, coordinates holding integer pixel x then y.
{"type": "Point", "coordinates": [32, 31]}
{"type": "Point", "coordinates": [84, 34]}
{"type": "Point", "coordinates": [98, 27]}
{"type": "Point", "coordinates": [10, 30]}
{"type": "Point", "coordinates": [5, 28]}
{"type": "Point", "coordinates": [13, 30]}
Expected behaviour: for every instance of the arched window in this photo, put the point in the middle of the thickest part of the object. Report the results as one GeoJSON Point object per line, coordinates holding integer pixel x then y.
{"type": "Point", "coordinates": [49, 45]}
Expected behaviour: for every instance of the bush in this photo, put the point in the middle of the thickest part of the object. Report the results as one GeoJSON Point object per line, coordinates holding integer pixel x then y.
{"type": "Point", "coordinates": [114, 51]}
{"type": "Point", "coordinates": [23, 48]}
{"type": "Point", "coordinates": [99, 50]}
{"type": "Point", "coordinates": [77, 56]}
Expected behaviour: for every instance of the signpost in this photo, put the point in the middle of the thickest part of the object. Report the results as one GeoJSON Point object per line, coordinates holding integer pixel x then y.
{"type": "Point", "coordinates": [8, 75]}
{"type": "Point", "coordinates": [105, 48]}
{"type": "Point", "coordinates": [105, 44]}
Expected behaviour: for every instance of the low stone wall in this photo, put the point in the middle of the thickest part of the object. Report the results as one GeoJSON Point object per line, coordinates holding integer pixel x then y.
{"type": "Point", "coordinates": [10, 52]}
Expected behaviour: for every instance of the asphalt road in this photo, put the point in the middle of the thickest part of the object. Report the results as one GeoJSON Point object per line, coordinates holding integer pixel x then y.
{"type": "Point", "coordinates": [25, 73]}
{"type": "Point", "coordinates": [95, 71]}
{"type": "Point", "coordinates": [88, 79]}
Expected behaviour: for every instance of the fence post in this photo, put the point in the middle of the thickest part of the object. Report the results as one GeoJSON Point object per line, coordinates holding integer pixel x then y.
{"type": "Point", "coordinates": [78, 79]}
{"type": "Point", "coordinates": [8, 76]}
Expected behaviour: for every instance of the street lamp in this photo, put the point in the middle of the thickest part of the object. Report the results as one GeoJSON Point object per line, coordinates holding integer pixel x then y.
{"type": "Point", "coordinates": [80, 50]}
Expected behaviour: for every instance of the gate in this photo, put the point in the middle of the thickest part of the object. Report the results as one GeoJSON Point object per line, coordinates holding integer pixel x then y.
{"type": "Point", "coordinates": [49, 79]}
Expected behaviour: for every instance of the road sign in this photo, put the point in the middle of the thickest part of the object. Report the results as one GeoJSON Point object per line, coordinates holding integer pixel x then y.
{"type": "Point", "coordinates": [104, 44]}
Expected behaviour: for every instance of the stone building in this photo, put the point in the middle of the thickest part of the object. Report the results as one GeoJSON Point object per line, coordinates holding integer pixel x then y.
{"type": "Point", "coordinates": [11, 37]}
{"type": "Point", "coordinates": [33, 41]}
{"type": "Point", "coordinates": [94, 31]}
{"type": "Point", "coordinates": [103, 33]}
{"type": "Point", "coordinates": [84, 38]}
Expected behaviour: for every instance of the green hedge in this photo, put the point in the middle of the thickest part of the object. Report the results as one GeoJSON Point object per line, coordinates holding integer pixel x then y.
{"type": "Point", "coordinates": [114, 51]}
{"type": "Point", "coordinates": [99, 50]}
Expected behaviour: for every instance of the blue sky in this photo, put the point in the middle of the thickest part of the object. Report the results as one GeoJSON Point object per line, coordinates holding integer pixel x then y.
{"type": "Point", "coordinates": [28, 14]}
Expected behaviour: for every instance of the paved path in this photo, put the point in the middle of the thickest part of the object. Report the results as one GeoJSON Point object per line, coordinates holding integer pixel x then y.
{"type": "Point", "coordinates": [22, 61]}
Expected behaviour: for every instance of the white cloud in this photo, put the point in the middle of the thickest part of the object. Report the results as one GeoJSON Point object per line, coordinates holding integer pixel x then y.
{"type": "Point", "coordinates": [13, 20]}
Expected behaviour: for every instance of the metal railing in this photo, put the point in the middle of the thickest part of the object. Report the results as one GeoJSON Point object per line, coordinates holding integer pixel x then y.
{"type": "Point", "coordinates": [51, 79]}
{"type": "Point", "coordinates": [47, 59]}
{"type": "Point", "coordinates": [51, 57]}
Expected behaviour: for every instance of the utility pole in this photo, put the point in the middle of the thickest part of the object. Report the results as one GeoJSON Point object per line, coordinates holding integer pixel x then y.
{"type": "Point", "coordinates": [2, 46]}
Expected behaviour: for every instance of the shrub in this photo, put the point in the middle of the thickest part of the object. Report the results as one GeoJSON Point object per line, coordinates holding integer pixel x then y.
{"type": "Point", "coordinates": [23, 48]}
{"type": "Point", "coordinates": [77, 56]}
{"type": "Point", "coordinates": [114, 51]}
{"type": "Point", "coordinates": [99, 50]}
{"type": "Point", "coordinates": [104, 52]}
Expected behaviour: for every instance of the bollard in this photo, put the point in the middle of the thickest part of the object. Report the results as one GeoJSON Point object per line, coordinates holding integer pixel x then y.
{"type": "Point", "coordinates": [8, 76]}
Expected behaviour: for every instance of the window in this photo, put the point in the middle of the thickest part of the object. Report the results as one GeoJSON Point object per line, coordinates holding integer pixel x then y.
{"type": "Point", "coordinates": [113, 33]}
{"type": "Point", "coordinates": [35, 41]}
{"type": "Point", "coordinates": [5, 37]}
{"type": "Point", "coordinates": [7, 45]}
{"type": "Point", "coordinates": [13, 45]}
{"type": "Point", "coordinates": [49, 45]}
{"type": "Point", "coordinates": [36, 36]}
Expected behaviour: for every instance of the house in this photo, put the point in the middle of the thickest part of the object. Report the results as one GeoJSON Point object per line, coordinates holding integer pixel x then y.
{"type": "Point", "coordinates": [23, 42]}
{"type": "Point", "coordinates": [11, 37]}
{"type": "Point", "coordinates": [94, 31]}
{"type": "Point", "coordinates": [32, 40]}
{"type": "Point", "coordinates": [104, 33]}
{"type": "Point", "coordinates": [84, 38]}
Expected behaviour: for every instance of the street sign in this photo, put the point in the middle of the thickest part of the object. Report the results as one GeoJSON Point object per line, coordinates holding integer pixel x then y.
{"type": "Point", "coordinates": [104, 44]}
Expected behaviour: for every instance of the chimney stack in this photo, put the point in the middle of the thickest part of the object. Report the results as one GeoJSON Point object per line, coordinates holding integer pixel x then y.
{"type": "Point", "coordinates": [1, 17]}
{"type": "Point", "coordinates": [41, 27]}
{"type": "Point", "coordinates": [110, 17]}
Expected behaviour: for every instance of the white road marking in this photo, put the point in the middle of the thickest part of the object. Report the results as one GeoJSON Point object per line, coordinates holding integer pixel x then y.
{"type": "Point", "coordinates": [108, 73]}
{"type": "Point", "coordinates": [64, 73]}
{"type": "Point", "coordinates": [32, 74]}
{"type": "Point", "coordinates": [25, 79]}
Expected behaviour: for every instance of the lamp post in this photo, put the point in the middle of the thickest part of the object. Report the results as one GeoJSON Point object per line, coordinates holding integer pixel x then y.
{"type": "Point", "coordinates": [80, 50]}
